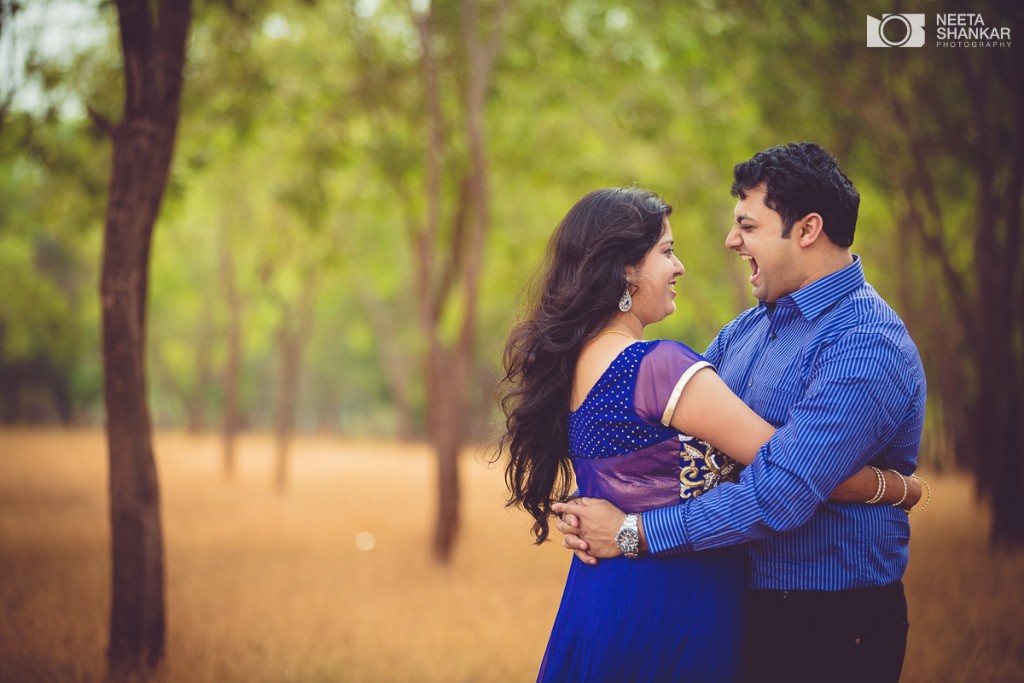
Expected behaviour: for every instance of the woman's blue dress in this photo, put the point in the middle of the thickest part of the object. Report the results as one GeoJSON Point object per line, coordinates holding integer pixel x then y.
{"type": "Point", "coordinates": [648, 619]}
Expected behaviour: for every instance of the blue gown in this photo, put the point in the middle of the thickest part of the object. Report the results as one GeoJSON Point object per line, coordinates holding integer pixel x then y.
{"type": "Point", "coordinates": [648, 619]}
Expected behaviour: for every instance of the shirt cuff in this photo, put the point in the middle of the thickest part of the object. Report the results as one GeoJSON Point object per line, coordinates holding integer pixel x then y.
{"type": "Point", "coordinates": [664, 531]}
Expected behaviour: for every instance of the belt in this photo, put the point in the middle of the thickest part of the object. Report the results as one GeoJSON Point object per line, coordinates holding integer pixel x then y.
{"type": "Point", "coordinates": [850, 599]}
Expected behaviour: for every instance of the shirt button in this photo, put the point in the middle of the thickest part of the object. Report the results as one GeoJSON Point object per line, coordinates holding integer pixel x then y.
{"type": "Point", "coordinates": [750, 383]}
{"type": "Point", "coordinates": [771, 336]}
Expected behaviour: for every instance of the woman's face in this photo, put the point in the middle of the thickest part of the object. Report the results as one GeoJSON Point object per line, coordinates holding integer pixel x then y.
{"type": "Point", "coordinates": [655, 280]}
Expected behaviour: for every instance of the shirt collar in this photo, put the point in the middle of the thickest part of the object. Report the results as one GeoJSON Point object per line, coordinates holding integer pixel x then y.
{"type": "Point", "coordinates": [812, 300]}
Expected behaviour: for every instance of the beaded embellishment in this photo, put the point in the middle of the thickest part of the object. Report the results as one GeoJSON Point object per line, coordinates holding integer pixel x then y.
{"type": "Point", "coordinates": [702, 467]}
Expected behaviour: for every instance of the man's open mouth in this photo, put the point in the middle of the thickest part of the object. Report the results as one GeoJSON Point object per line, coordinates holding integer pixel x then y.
{"type": "Point", "coordinates": [754, 269]}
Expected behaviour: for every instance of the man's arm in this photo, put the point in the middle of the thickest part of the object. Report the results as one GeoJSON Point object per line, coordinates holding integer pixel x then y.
{"type": "Point", "coordinates": [858, 394]}
{"type": "Point", "coordinates": [716, 348]}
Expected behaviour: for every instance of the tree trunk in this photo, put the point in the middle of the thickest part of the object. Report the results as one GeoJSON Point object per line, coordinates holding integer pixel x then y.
{"type": "Point", "coordinates": [288, 386]}
{"type": "Point", "coordinates": [447, 364]}
{"type": "Point", "coordinates": [196, 397]}
{"type": "Point", "coordinates": [233, 361]}
{"type": "Point", "coordinates": [446, 420]}
{"type": "Point", "coordinates": [393, 364]}
{"type": "Point", "coordinates": [926, 312]}
{"type": "Point", "coordinates": [997, 159]}
{"type": "Point", "coordinates": [143, 145]}
{"type": "Point", "coordinates": [292, 333]}
{"type": "Point", "coordinates": [997, 339]}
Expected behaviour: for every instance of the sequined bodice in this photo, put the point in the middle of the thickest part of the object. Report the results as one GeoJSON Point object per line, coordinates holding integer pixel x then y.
{"type": "Point", "coordinates": [630, 459]}
{"type": "Point", "coordinates": [606, 424]}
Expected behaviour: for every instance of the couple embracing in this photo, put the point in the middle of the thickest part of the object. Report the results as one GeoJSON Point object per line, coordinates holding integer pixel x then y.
{"type": "Point", "coordinates": [739, 514]}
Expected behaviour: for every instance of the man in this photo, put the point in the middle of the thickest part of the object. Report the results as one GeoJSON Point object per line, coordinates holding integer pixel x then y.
{"type": "Point", "coordinates": [826, 360]}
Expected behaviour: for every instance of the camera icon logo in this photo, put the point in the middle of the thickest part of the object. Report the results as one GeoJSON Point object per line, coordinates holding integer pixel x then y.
{"type": "Point", "coordinates": [896, 30]}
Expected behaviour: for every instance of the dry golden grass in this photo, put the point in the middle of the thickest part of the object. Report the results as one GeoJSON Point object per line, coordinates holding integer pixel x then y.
{"type": "Point", "coordinates": [268, 587]}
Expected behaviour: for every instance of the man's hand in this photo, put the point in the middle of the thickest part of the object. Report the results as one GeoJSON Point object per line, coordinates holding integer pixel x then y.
{"type": "Point", "coordinates": [589, 526]}
{"type": "Point", "coordinates": [568, 525]}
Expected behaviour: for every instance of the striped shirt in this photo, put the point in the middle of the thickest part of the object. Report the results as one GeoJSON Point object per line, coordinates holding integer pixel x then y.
{"type": "Point", "coordinates": [831, 366]}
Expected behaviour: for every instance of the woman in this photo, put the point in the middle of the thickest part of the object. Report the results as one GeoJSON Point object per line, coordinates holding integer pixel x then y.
{"type": "Point", "coordinates": [632, 420]}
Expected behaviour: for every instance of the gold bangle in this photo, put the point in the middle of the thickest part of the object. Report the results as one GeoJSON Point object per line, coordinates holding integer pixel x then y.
{"type": "Point", "coordinates": [880, 491]}
{"type": "Point", "coordinates": [905, 489]}
{"type": "Point", "coordinates": [928, 491]}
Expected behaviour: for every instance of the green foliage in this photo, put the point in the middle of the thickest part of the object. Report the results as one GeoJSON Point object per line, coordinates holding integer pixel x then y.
{"type": "Point", "coordinates": [50, 194]}
{"type": "Point", "coordinates": [302, 148]}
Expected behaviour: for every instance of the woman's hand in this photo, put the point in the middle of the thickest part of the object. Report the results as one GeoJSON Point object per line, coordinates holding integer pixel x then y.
{"type": "Point", "coordinates": [914, 493]}
{"type": "Point", "coordinates": [568, 525]}
{"type": "Point", "coordinates": [592, 529]}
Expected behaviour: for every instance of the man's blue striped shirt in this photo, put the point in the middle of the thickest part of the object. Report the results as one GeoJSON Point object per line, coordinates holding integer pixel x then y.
{"type": "Point", "coordinates": [833, 367]}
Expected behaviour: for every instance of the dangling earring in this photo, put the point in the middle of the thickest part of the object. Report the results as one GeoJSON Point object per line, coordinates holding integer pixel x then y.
{"type": "Point", "coordinates": [626, 302]}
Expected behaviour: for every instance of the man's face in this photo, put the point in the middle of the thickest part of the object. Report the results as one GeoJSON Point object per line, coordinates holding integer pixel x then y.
{"type": "Point", "coordinates": [756, 235]}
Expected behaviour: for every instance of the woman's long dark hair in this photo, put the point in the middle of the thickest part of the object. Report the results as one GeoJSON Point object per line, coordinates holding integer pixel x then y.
{"type": "Point", "coordinates": [576, 294]}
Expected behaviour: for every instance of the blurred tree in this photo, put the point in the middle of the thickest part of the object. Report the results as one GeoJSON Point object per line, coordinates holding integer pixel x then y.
{"type": "Point", "coordinates": [153, 41]}
{"type": "Point", "coordinates": [7, 10]}
{"type": "Point", "coordinates": [48, 248]}
{"type": "Point", "coordinates": [296, 251]}
{"type": "Point", "coordinates": [293, 272]}
{"type": "Point", "coordinates": [228, 280]}
{"type": "Point", "coordinates": [47, 322]}
{"type": "Point", "coordinates": [444, 197]}
{"type": "Point", "coordinates": [239, 166]}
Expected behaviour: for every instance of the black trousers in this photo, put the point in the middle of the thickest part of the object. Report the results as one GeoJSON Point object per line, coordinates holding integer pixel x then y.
{"type": "Point", "coordinates": [852, 636]}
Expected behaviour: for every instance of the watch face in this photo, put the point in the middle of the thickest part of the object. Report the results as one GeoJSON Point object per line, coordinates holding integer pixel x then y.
{"type": "Point", "coordinates": [628, 540]}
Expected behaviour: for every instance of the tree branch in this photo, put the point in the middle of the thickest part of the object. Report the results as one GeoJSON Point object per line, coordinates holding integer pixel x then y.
{"type": "Point", "coordinates": [101, 121]}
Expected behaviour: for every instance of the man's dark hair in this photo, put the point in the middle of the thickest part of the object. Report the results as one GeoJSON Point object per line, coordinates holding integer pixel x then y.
{"type": "Point", "coordinates": [802, 178]}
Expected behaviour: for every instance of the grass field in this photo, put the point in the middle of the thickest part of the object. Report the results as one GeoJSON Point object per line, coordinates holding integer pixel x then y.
{"type": "Point", "coordinates": [270, 587]}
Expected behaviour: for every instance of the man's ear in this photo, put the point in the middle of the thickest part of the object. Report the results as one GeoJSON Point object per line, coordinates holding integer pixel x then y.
{"type": "Point", "coordinates": [809, 229]}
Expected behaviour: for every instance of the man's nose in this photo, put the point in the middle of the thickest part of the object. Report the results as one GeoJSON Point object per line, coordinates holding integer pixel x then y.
{"type": "Point", "coordinates": [732, 240]}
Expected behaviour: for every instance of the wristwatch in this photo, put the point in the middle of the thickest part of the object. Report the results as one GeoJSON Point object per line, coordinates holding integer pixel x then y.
{"type": "Point", "coordinates": [628, 538]}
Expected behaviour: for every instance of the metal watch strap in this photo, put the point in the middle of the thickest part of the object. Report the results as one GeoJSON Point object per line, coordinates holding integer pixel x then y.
{"type": "Point", "coordinates": [628, 538]}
